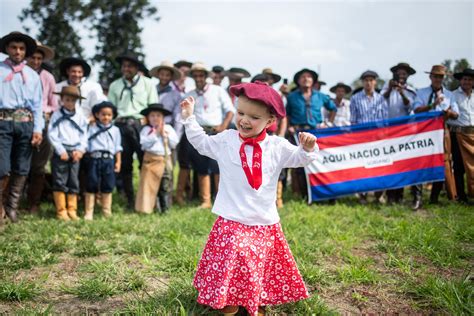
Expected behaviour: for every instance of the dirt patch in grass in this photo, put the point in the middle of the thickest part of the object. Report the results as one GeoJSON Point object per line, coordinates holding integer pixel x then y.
{"type": "Point", "coordinates": [66, 273]}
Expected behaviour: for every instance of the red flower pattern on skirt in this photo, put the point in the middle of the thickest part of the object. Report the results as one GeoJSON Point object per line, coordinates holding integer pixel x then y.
{"type": "Point", "coordinates": [247, 266]}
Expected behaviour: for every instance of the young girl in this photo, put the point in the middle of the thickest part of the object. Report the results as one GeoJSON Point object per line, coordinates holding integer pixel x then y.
{"type": "Point", "coordinates": [246, 261]}
{"type": "Point", "coordinates": [157, 139]}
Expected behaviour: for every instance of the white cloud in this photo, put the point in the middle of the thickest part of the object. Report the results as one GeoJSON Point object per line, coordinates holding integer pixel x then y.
{"type": "Point", "coordinates": [283, 36]}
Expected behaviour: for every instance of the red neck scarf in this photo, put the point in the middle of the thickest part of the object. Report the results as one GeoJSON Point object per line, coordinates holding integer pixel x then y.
{"type": "Point", "coordinates": [15, 69]}
{"type": "Point", "coordinates": [254, 176]}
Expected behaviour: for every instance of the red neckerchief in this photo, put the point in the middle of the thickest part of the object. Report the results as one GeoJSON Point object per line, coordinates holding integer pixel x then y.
{"type": "Point", "coordinates": [15, 69]}
{"type": "Point", "coordinates": [254, 176]}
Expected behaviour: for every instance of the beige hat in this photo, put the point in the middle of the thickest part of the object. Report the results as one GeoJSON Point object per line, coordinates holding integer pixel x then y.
{"type": "Point", "coordinates": [168, 66]}
{"type": "Point", "coordinates": [47, 51]}
{"type": "Point", "coordinates": [437, 70]}
{"type": "Point", "coordinates": [70, 91]}
{"type": "Point", "coordinates": [198, 66]}
{"type": "Point", "coordinates": [269, 72]}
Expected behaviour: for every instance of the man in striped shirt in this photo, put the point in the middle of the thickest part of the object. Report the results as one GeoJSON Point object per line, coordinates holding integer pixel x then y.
{"type": "Point", "coordinates": [367, 106]}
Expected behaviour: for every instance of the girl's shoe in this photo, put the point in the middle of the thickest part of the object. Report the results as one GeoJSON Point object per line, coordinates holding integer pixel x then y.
{"type": "Point", "coordinates": [229, 310]}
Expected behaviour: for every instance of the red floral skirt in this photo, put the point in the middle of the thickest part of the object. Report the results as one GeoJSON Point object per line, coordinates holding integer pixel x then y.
{"type": "Point", "coordinates": [247, 266]}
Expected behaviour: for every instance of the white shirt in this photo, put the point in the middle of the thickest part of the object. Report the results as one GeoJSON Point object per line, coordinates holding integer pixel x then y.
{"type": "Point", "coordinates": [236, 200]}
{"type": "Point", "coordinates": [212, 105]}
{"type": "Point", "coordinates": [343, 114]}
{"type": "Point", "coordinates": [153, 142]}
{"type": "Point", "coordinates": [466, 108]}
{"type": "Point", "coordinates": [90, 90]}
{"type": "Point", "coordinates": [396, 107]}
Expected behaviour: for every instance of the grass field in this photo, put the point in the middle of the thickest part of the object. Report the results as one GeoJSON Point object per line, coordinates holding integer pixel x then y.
{"type": "Point", "coordinates": [354, 259]}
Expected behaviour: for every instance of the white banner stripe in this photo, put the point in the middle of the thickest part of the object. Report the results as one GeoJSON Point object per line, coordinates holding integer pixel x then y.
{"type": "Point", "coordinates": [378, 153]}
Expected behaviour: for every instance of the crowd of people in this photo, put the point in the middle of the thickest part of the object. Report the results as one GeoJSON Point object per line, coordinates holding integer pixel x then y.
{"type": "Point", "coordinates": [92, 133]}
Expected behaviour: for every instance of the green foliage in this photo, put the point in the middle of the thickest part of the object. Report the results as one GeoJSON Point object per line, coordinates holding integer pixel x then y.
{"type": "Point", "coordinates": [58, 24]}
{"type": "Point", "coordinates": [453, 67]}
{"type": "Point", "coordinates": [116, 25]}
{"type": "Point", "coordinates": [18, 290]}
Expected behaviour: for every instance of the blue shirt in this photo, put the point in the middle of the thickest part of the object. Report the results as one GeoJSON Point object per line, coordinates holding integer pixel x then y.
{"type": "Point", "coordinates": [15, 94]}
{"type": "Point", "coordinates": [68, 136]}
{"type": "Point", "coordinates": [171, 99]}
{"type": "Point", "coordinates": [310, 114]}
{"type": "Point", "coordinates": [109, 140]}
{"type": "Point", "coordinates": [366, 109]}
{"type": "Point", "coordinates": [425, 96]}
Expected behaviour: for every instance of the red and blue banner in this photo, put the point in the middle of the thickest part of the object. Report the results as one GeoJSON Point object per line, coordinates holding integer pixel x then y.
{"type": "Point", "coordinates": [376, 156]}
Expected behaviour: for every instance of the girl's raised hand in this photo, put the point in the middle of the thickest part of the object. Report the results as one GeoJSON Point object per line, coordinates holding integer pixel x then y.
{"type": "Point", "coordinates": [307, 140]}
{"type": "Point", "coordinates": [187, 107]}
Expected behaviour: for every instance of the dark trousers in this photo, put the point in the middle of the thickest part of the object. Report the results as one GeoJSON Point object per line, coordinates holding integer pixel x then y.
{"type": "Point", "coordinates": [184, 153]}
{"type": "Point", "coordinates": [65, 175]}
{"type": "Point", "coordinates": [203, 165]}
{"type": "Point", "coordinates": [100, 175]}
{"type": "Point", "coordinates": [15, 147]}
{"type": "Point", "coordinates": [130, 132]}
{"type": "Point", "coordinates": [458, 166]}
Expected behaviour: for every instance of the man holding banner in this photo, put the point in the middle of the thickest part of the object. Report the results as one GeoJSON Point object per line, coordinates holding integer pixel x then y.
{"type": "Point", "coordinates": [400, 97]}
{"type": "Point", "coordinates": [368, 106]}
{"type": "Point", "coordinates": [438, 98]}
{"type": "Point", "coordinates": [303, 110]}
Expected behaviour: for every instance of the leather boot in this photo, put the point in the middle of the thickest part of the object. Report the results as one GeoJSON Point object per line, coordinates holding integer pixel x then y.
{"type": "Point", "coordinates": [15, 188]}
{"type": "Point", "coordinates": [279, 201]}
{"type": "Point", "coordinates": [106, 199]}
{"type": "Point", "coordinates": [129, 192]}
{"type": "Point", "coordinates": [163, 202]}
{"type": "Point", "coordinates": [72, 206]}
{"type": "Point", "coordinates": [60, 202]}
{"type": "Point", "coordinates": [183, 179]}
{"type": "Point", "coordinates": [89, 201]}
{"type": "Point", "coordinates": [2, 212]}
{"type": "Point", "coordinates": [35, 190]}
{"type": "Point", "coordinates": [205, 191]}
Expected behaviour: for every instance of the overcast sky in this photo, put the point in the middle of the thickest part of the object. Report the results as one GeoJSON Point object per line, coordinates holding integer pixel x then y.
{"type": "Point", "coordinates": [339, 39]}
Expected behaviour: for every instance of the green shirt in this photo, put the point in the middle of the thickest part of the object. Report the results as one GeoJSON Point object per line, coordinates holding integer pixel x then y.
{"type": "Point", "coordinates": [131, 98]}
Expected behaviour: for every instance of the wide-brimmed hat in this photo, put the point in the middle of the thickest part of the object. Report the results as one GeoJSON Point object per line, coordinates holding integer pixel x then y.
{"type": "Point", "coordinates": [168, 66]}
{"type": "Point", "coordinates": [321, 83]}
{"type": "Point", "coordinates": [405, 66]}
{"type": "Point", "coordinates": [260, 77]}
{"type": "Point", "coordinates": [237, 73]}
{"type": "Point", "coordinates": [465, 73]}
{"type": "Point", "coordinates": [104, 104]}
{"type": "Point", "coordinates": [72, 91]}
{"type": "Point", "coordinates": [48, 52]}
{"type": "Point", "coordinates": [340, 85]}
{"type": "Point", "coordinates": [261, 92]}
{"type": "Point", "coordinates": [269, 72]}
{"type": "Point", "coordinates": [30, 43]}
{"type": "Point", "coordinates": [74, 61]}
{"type": "Point", "coordinates": [297, 76]}
{"type": "Point", "coordinates": [217, 69]}
{"type": "Point", "coordinates": [198, 66]}
{"type": "Point", "coordinates": [134, 58]}
{"type": "Point", "coordinates": [437, 70]}
{"type": "Point", "coordinates": [185, 63]}
{"type": "Point", "coordinates": [155, 107]}
{"type": "Point", "coordinates": [369, 73]}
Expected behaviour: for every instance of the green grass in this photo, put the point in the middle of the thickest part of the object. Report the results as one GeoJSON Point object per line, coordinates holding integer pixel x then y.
{"type": "Point", "coordinates": [367, 258]}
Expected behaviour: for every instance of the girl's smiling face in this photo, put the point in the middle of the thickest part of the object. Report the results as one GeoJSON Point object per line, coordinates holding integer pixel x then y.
{"type": "Point", "coordinates": [252, 117]}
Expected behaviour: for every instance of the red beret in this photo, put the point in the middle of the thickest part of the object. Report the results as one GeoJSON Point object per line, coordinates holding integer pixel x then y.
{"type": "Point", "coordinates": [261, 92]}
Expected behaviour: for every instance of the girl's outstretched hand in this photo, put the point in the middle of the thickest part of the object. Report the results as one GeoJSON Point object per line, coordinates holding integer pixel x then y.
{"type": "Point", "coordinates": [187, 107]}
{"type": "Point", "coordinates": [307, 140]}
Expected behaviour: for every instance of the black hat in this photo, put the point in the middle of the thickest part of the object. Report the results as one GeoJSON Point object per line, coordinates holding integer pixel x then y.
{"type": "Point", "coordinates": [405, 66]}
{"type": "Point", "coordinates": [237, 72]}
{"type": "Point", "coordinates": [183, 63]}
{"type": "Point", "coordinates": [269, 72]}
{"type": "Point", "coordinates": [132, 57]}
{"type": "Point", "coordinates": [340, 85]}
{"type": "Point", "coordinates": [260, 77]}
{"type": "Point", "coordinates": [104, 104]}
{"type": "Point", "coordinates": [321, 83]}
{"type": "Point", "coordinates": [369, 73]}
{"type": "Point", "coordinates": [466, 72]}
{"type": "Point", "coordinates": [74, 61]}
{"type": "Point", "coordinates": [30, 43]}
{"type": "Point", "coordinates": [313, 73]}
{"type": "Point", "coordinates": [155, 107]}
{"type": "Point", "coordinates": [217, 69]}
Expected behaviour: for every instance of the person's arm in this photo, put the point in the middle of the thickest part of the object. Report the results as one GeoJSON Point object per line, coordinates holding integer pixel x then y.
{"type": "Point", "coordinates": [53, 136]}
{"type": "Point", "coordinates": [37, 109]}
{"type": "Point", "coordinates": [227, 108]}
{"type": "Point", "coordinates": [173, 139]}
{"type": "Point", "coordinates": [148, 137]}
{"type": "Point", "coordinates": [331, 107]}
{"type": "Point", "coordinates": [353, 110]}
{"type": "Point", "coordinates": [152, 93]}
{"type": "Point", "coordinates": [292, 156]}
{"type": "Point", "coordinates": [52, 98]}
{"type": "Point", "coordinates": [118, 162]}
